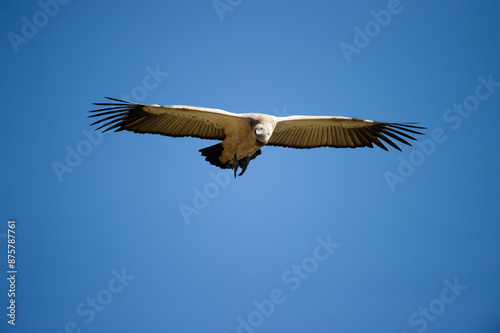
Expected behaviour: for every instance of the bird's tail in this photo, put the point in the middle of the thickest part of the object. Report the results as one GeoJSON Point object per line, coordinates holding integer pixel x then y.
{"type": "Point", "coordinates": [212, 154]}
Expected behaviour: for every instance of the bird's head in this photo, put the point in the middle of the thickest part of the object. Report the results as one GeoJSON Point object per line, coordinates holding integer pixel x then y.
{"type": "Point", "coordinates": [262, 133]}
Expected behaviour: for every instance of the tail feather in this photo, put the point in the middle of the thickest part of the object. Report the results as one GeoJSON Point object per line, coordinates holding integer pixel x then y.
{"type": "Point", "coordinates": [212, 154]}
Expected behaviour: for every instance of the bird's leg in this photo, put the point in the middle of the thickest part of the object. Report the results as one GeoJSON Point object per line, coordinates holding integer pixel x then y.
{"type": "Point", "coordinates": [243, 163]}
{"type": "Point", "coordinates": [235, 165]}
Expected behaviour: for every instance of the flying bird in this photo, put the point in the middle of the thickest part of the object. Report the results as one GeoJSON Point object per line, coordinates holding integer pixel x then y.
{"type": "Point", "coordinates": [243, 135]}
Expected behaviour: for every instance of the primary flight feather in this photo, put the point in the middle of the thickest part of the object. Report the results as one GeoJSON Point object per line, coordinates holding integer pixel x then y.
{"type": "Point", "coordinates": [243, 135]}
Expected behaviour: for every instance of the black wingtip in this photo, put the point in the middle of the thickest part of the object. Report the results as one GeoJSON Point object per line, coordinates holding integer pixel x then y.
{"type": "Point", "coordinates": [120, 102]}
{"type": "Point", "coordinates": [115, 113]}
{"type": "Point", "coordinates": [408, 126]}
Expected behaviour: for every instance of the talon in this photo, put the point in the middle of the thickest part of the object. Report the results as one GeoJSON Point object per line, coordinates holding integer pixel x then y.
{"type": "Point", "coordinates": [243, 169]}
{"type": "Point", "coordinates": [235, 165]}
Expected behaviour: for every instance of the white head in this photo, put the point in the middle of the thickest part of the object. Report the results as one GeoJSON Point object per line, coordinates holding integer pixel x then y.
{"type": "Point", "coordinates": [263, 133]}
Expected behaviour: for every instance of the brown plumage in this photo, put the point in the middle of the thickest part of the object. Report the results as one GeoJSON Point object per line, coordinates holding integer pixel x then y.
{"type": "Point", "coordinates": [243, 135]}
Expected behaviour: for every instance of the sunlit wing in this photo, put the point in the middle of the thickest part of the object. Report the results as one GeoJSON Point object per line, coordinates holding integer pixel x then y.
{"type": "Point", "coordinates": [169, 120]}
{"type": "Point", "coordinates": [339, 132]}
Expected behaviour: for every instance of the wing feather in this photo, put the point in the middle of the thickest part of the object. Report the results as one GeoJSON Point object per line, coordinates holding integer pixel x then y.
{"type": "Point", "coordinates": [364, 141]}
{"type": "Point", "coordinates": [169, 120]}
{"type": "Point", "coordinates": [340, 136]}
{"type": "Point", "coordinates": [330, 134]}
{"type": "Point", "coordinates": [394, 136]}
{"type": "Point", "coordinates": [340, 132]}
{"type": "Point", "coordinates": [347, 137]}
{"type": "Point", "coordinates": [355, 140]}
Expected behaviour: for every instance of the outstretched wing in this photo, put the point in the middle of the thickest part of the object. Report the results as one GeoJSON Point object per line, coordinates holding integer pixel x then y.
{"type": "Point", "coordinates": [339, 132]}
{"type": "Point", "coordinates": [169, 120]}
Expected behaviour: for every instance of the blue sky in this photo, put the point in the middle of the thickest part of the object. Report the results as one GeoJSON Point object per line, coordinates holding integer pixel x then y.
{"type": "Point", "coordinates": [123, 232]}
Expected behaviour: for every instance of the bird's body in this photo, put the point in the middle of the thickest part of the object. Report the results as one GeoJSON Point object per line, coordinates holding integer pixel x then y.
{"type": "Point", "coordinates": [243, 135]}
{"type": "Point", "coordinates": [241, 139]}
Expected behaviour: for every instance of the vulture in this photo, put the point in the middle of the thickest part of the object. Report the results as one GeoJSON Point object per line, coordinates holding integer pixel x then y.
{"type": "Point", "coordinates": [243, 135]}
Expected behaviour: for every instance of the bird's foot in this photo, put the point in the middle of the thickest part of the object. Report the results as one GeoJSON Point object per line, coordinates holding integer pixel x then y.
{"type": "Point", "coordinates": [235, 165]}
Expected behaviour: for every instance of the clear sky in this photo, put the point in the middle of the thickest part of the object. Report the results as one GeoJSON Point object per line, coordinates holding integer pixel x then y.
{"type": "Point", "coordinates": [123, 232]}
